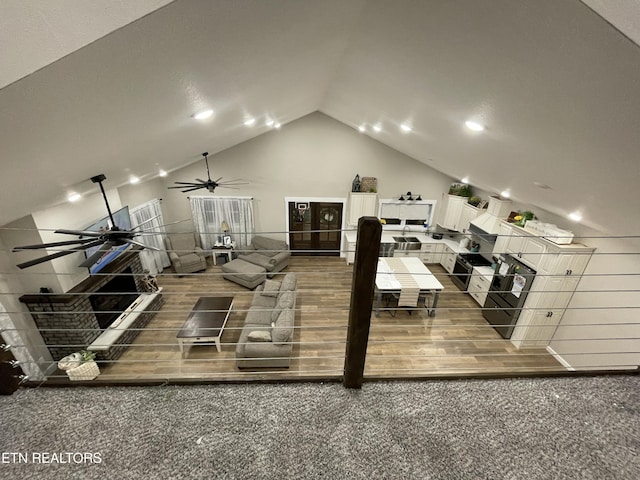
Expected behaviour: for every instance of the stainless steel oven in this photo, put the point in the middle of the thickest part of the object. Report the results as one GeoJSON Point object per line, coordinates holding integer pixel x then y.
{"type": "Point", "coordinates": [463, 268]}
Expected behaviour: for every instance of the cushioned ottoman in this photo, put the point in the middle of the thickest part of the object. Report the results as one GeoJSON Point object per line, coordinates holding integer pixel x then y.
{"type": "Point", "coordinates": [244, 273]}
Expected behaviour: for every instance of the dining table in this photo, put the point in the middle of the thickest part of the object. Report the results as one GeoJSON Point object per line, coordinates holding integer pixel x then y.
{"type": "Point", "coordinates": [409, 279]}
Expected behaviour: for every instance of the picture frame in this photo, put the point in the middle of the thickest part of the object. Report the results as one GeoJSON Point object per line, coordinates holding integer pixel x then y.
{"type": "Point", "coordinates": [226, 241]}
{"type": "Point", "coordinates": [482, 204]}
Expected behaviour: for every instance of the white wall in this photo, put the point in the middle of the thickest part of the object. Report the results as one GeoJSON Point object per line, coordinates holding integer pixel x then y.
{"type": "Point", "coordinates": [314, 156]}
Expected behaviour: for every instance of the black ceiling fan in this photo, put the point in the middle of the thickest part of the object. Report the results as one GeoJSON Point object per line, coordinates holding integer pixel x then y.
{"type": "Point", "coordinates": [106, 239]}
{"type": "Point", "coordinates": [208, 184]}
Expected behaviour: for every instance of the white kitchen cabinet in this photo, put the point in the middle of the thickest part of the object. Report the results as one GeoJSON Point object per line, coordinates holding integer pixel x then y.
{"type": "Point", "coordinates": [448, 260]}
{"type": "Point", "coordinates": [469, 213]}
{"type": "Point", "coordinates": [350, 254]}
{"type": "Point", "coordinates": [362, 205]}
{"type": "Point", "coordinates": [479, 287]}
{"type": "Point", "coordinates": [453, 214]}
{"type": "Point", "coordinates": [550, 295]}
{"type": "Point", "coordinates": [431, 252]}
{"type": "Point", "coordinates": [504, 235]}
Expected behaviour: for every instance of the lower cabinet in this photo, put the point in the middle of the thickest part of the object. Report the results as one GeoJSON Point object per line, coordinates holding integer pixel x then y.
{"type": "Point", "coordinates": [350, 254]}
{"type": "Point", "coordinates": [448, 259]}
{"type": "Point", "coordinates": [431, 253]}
{"type": "Point", "coordinates": [478, 287]}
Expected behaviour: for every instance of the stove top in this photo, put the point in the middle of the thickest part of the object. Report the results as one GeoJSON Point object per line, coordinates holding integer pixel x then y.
{"type": "Point", "coordinates": [475, 259]}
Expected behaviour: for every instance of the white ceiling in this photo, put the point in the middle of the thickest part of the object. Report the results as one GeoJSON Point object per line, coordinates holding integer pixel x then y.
{"type": "Point", "coordinates": [556, 85]}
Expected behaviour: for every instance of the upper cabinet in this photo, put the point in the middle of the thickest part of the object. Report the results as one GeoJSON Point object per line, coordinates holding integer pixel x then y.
{"type": "Point", "coordinates": [453, 215]}
{"type": "Point", "coordinates": [362, 205]}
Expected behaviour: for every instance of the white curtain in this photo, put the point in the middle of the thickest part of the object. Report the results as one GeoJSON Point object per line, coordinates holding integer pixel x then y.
{"type": "Point", "coordinates": [209, 212]}
{"type": "Point", "coordinates": [149, 217]}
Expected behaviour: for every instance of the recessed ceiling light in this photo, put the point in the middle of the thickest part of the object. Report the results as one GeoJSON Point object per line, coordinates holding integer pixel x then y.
{"type": "Point", "coordinates": [250, 122]}
{"type": "Point", "coordinates": [362, 128]}
{"type": "Point", "coordinates": [270, 122]}
{"type": "Point", "coordinates": [277, 125]}
{"type": "Point", "coordinates": [475, 126]}
{"type": "Point", "coordinates": [575, 216]}
{"type": "Point", "coordinates": [203, 114]}
{"type": "Point", "coordinates": [133, 179]}
{"type": "Point", "coordinates": [406, 127]}
{"type": "Point", "coordinates": [377, 127]}
{"type": "Point", "coordinates": [74, 197]}
{"type": "Point", "coordinates": [162, 173]}
{"type": "Point", "coordinates": [505, 194]}
{"type": "Point", "coordinates": [465, 180]}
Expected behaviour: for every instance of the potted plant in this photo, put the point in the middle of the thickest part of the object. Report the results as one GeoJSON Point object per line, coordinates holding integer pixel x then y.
{"type": "Point", "coordinates": [80, 365]}
{"type": "Point", "coordinates": [523, 217]}
{"type": "Point", "coordinates": [460, 189]}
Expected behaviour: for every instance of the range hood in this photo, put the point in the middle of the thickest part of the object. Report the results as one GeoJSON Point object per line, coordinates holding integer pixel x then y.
{"type": "Point", "coordinates": [489, 222]}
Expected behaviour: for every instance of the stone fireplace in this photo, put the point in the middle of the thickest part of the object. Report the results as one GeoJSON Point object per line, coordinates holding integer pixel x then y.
{"type": "Point", "coordinates": [68, 322]}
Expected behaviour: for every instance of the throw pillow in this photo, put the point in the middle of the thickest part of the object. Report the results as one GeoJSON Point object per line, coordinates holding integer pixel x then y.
{"type": "Point", "coordinates": [271, 288]}
{"type": "Point", "coordinates": [283, 330]}
{"type": "Point", "coordinates": [289, 282]}
{"type": "Point", "coordinates": [259, 336]}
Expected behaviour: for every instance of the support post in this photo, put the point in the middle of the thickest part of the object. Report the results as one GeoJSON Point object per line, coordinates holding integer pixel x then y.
{"type": "Point", "coordinates": [362, 291]}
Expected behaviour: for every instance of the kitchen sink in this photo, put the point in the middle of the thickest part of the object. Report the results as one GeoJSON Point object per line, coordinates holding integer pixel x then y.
{"type": "Point", "coordinates": [407, 243]}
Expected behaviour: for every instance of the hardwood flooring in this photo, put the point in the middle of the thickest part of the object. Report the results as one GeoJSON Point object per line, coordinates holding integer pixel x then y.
{"type": "Point", "coordinates": [457, 341]}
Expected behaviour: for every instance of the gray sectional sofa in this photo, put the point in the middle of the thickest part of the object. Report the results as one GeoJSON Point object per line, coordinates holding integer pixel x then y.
{"type": "Point", "coordinates": [265, 339]}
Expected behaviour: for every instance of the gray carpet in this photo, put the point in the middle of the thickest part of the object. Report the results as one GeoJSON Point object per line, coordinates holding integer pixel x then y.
{"type": "Point", "coordinates": [554, 428]}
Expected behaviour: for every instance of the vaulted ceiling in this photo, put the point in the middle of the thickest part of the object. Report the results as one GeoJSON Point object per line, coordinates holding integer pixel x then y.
{"type": "Point", "coordinates": [111, 88]}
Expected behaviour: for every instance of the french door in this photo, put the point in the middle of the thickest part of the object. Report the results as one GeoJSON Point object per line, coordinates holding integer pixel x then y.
{"type": "Point", "coordinates": [314, 228]}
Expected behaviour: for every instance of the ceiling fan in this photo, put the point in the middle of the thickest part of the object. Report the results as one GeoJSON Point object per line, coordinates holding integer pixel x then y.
{"type": "Point", "coordinates": [208, 184]}
{"type": "Point", "coordinates": [106, 239]}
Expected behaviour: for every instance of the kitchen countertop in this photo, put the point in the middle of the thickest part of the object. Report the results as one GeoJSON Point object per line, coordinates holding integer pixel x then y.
{"type": "Point", "coordinates": [387, 237]}
{"type": "Point", "coordinates": [486, 272]}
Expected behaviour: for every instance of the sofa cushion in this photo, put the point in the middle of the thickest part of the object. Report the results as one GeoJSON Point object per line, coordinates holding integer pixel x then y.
{"type": "Point", "coordinates": [259, 316]}
{"type": "Point", "coordinates": [271, 288]}
{"type": "Point", "coordinates": [258, 259]}
{"type": "Point", "coordinates": [270, 245]}
{"type": "Point", "coordinates": [259, 336]}
{"type": "Point", "coordinates": [289, 282]}
{"type": "Point", "coordinates": [285, 300]}
{"type": "Point", "coordinates": [283, 330]}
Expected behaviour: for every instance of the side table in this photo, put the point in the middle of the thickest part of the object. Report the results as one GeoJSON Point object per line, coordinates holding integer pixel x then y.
{"type": "Point", "coordinates": [215, 251]}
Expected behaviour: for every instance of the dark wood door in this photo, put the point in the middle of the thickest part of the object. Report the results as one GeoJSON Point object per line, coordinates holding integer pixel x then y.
{"type": "Point", "coordinates": [314, 228]}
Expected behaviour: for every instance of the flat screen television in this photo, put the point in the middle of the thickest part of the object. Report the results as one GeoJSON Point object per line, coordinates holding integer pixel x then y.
{"type": "Point", "coordinates": [123, 221]}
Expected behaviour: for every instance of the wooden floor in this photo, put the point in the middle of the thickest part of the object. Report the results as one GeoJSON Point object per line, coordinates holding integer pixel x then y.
{"type": "Point", "coordinates": [456, 341]}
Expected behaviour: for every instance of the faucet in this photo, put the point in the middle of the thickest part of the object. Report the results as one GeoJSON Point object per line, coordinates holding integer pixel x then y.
{"type": "Point", "coordinates": [404, 230]}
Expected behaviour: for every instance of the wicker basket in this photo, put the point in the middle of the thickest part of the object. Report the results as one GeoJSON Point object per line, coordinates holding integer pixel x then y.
{"type": "Point", "coordinates": [85, 371]}
{"type": "Point", "coordinates": [78, 370]}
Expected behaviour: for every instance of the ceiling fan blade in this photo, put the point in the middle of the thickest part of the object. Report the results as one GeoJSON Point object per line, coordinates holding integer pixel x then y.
{"type": "Point", "coordinates": [194, 188]}
{"type": "Point", "coordinates": [201, 181]}
{"type": "Point", "coordinates": [53, 244]}
{"type": "Point", "coordinates": [228, 186]}
{"type": "Point", "coordinates": [46, 258]}
{"type": "Point", "coordinates": [217, 180]}
{"type": "Point", "coordinates": [234, 182]}
{"type": "Point", "coordinates": [134, 242]}
{"type": "Point", "coordinates": [188, 183]}
{"type": "Point", "coordinates": [98, 253]}
{"type": "Point", "coordinates": [82, 233]}
{"type": "Point", "coordinates": [53, 256]}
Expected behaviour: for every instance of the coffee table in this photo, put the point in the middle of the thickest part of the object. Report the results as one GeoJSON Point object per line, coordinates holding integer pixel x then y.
{"type": "Point", "coordinates": [206, 322]}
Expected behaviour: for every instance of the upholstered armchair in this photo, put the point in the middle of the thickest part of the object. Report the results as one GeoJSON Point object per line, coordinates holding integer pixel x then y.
{"type": "Point", "coordinates": [185, 253]}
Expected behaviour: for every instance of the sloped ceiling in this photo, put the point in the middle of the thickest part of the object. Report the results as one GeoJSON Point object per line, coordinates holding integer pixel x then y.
{"type": "Point", "coordinates": [556, 85]}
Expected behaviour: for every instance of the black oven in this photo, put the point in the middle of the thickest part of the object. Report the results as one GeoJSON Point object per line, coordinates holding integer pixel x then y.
{"type": "Point", "coordinates": [463, 268]}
